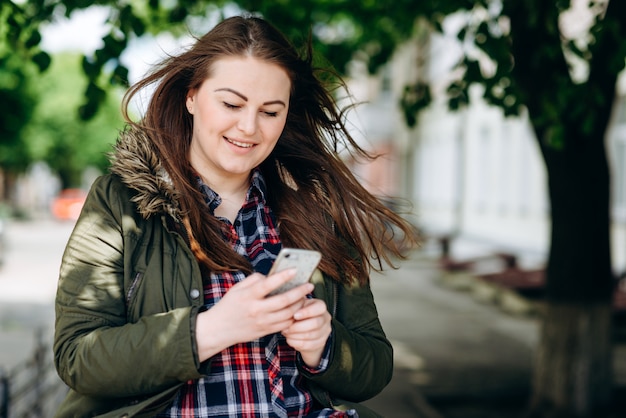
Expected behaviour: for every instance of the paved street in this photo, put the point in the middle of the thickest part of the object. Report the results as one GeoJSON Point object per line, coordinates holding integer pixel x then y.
{"type": "Point", "coordinates": [28, 280]}
{"type": "Point", "coordinates": [448, 346]}
{"type": "Point", "coordinates": [32, 262]}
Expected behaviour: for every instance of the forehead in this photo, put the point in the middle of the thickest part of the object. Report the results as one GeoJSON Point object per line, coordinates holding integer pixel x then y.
{"type": "Point", "coordinates": [250, 75]}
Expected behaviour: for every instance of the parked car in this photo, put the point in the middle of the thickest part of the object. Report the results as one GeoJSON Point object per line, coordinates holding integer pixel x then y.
{"type": "Point", "coordinates": [68, 204]}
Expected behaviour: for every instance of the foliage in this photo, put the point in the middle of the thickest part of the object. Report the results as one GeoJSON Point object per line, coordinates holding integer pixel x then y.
{"type": "Point", "coordinates": [21, 32]}
{"type": "Point", "coordinates": [16, 103]}
{"type": "Point", "coordinates": [39, 102]}
{"type": "Point", "coordinates": [343, 30]}
{"type": "Point", "coordinates": [339, 29]}
{"type": "Point", "coordinates": [56, 134]}
{"type": "Point", "coordinates": [507, 47]}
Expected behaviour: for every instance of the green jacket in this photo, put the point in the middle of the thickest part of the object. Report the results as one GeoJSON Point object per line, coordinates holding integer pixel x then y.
{"type": "Point", "coordinates": [128, 298]}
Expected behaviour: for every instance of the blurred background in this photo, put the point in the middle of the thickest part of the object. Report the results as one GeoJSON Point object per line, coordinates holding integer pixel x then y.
{"type": "Point", "coordinates": [501, 134]}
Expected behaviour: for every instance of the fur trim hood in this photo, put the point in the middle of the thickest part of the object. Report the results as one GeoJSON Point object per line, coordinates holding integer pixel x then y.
{"type": "Point", "coordinates": [136, 162]}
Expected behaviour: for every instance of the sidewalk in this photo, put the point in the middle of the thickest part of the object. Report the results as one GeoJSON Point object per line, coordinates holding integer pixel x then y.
{"type": "Point", "coordinates": [449, 348]}
{"type": "Point", "coordinates": [457, 353]}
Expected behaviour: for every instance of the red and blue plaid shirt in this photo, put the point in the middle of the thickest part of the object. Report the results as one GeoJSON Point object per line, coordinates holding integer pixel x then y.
{"type": "Point", "coordinates": [259, 378]}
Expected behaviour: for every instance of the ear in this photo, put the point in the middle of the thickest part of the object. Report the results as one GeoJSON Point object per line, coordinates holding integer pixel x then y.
{"type": "Point", "coordinates": [190, 102]}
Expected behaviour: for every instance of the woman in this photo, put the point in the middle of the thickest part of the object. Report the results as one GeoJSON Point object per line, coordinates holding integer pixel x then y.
{"type": "Point", "coordinates": [162, 306]}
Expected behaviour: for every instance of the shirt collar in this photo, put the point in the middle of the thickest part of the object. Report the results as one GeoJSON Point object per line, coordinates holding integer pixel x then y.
{"type": "Point", "coordinates": [257, 187]}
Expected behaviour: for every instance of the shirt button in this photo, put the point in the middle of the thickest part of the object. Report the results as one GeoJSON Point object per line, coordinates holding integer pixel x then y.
{"type": "Point", "coordinates": [195, 293]}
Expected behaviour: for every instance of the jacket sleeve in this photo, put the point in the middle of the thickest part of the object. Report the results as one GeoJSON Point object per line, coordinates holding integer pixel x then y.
{"type": "Point", "coordinates": [361, 362]}
{"type": "Point", "coordinates": [97, 351]}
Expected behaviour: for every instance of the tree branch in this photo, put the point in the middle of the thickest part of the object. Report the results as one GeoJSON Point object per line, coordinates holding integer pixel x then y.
{"type": "Point", "coordinates": [608, 57]}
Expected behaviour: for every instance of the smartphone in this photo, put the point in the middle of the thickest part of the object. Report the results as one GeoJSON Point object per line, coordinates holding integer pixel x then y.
{"type": "Point", "coordinates": [305, 261]}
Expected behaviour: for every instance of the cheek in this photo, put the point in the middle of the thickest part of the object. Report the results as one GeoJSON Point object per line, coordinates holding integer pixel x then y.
{"type": "Point", "coordinates": [213, 118]}
{"type": "Point", "coordinates": [277, 129]}
{"type": "Point", "coordinates": [276, 134]}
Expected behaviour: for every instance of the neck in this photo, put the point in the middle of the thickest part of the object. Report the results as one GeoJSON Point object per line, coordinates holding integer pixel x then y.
{"type": "Point", "coordinates": [232, 191]}
{"type": "Point", "coordinates": [227, 185]}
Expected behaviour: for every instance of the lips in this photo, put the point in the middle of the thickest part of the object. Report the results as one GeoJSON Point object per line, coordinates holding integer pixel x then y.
{"type": "Point", "coordinates": [239, 144]}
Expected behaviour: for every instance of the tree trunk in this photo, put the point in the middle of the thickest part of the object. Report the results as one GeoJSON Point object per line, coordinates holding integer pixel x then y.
{"type": "Point", "coordinates": [573, 374]}
{"type": "Point", "coordinates": [573, 370]}
{"type": "Point", "coordinates": [7, 188]}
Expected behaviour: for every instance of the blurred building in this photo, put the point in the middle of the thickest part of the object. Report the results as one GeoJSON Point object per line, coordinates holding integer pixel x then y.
{"type": "Point", "coordinates": [472, 174]}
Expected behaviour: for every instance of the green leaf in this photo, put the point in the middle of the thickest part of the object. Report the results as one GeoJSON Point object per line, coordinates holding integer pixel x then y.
{"type": "Point", "coordinates": [42, 60]}
{"type": "Point", "coordinates": [414, 99]}
{"type": "Point", "coordinates": [472, 70]}
{"type": "Point", "coordinates": [88, 110]}
{"type": "Point", "coordinates": [555, 137]}
{"type": "Point", "coordinates": [90, 68]}
{"type": "Point", "coordinates": [33, 40]}
{"type": "Point", "coordinates": [95, 93]}
{"type": "Point", "coordinates": [138, 26]}
{"type": "Point", "coordinates": [177, 15]}
{"type": "Point", "coordinates": [113, 47]}
{"type": "Point", "coordinates": [588, 123]}
{"type": "Point", "coordinates": [120, 76]}
{"type": "Point", "coordinates": [462, 34]}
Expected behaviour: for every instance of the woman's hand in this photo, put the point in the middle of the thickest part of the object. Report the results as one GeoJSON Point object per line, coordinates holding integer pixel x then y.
{"type": "Point", "coordinates": [245, 313]}
{"type": "Point", "coordinates": [309, 333]}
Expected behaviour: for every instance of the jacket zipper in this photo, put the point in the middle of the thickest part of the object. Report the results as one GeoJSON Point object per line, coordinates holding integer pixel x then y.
{"type": "Point", "coordinates": [132, 288]}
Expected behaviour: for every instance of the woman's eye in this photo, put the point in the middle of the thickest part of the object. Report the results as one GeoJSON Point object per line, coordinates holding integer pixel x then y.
{"type": "Point", "coordinates": [271, 114]}
{"type": "Point", "coordinates": [230, 106]}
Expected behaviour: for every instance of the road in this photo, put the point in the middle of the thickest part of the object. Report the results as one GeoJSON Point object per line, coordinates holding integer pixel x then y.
{"type": "Point", "coordinates": [28, 279]}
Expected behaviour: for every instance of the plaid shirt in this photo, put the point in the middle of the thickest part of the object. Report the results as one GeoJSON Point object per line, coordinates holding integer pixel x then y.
{"type": "Point", "coordinates": [257, 378]}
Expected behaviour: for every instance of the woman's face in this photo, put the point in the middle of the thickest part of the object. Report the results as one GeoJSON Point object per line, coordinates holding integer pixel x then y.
{"type": "Point", "coordinates": [238, 114]}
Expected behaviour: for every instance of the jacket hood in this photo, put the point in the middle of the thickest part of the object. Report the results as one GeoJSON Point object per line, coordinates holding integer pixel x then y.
{"type": "Point", "coordinates": [136, 162]}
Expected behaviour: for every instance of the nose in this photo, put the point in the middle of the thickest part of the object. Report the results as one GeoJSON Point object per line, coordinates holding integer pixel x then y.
{"type": "Point", "coordinates": [248, 122]}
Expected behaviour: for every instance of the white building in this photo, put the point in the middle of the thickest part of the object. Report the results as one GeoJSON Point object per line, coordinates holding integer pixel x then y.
{"type": "Point", "coordinates": [475, 174]}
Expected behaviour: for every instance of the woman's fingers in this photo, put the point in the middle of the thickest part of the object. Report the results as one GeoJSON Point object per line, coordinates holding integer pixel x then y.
{"type": "Point", "coordinates": [311, 309]}
{"type": "Point", "coordinates": [248, 313]}
{"type": "Point", "coordinates": [310, 331]}
{"type": "Point", "coordinates": [312, 322]}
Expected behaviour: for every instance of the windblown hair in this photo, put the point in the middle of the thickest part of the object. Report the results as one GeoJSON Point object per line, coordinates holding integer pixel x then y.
{"type": "Point", "coordinates": [318, 202]}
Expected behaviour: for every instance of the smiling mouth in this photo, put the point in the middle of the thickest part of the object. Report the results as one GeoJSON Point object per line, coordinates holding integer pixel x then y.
{"type": "Point", "coordinates": [239, 144]}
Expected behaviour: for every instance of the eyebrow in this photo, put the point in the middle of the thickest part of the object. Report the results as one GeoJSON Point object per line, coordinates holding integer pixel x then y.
{"type": "Point", "coordinates": [271, 102]}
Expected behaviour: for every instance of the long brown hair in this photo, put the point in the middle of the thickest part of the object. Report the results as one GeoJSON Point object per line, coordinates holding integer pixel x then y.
{"type": "Point", "coordinates": [319, 204]}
